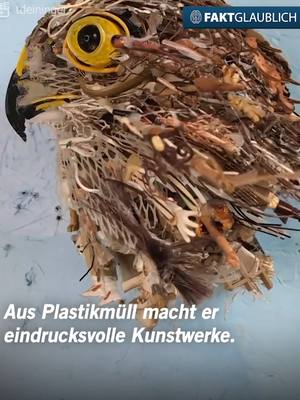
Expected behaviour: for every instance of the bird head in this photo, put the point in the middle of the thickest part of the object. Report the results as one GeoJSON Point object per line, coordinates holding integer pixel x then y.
{"type": "Point", "coordinates": [71, 46]}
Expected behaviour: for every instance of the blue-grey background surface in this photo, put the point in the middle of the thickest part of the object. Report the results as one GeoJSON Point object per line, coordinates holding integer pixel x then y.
{"type": "Point", "coordinates": [38, 264]}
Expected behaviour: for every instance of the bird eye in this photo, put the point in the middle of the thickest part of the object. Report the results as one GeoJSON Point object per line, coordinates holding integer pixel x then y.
{"type": "Point", "coordinates": [89, 38]}
{"type": "Point", "coordinates": [88, 44]}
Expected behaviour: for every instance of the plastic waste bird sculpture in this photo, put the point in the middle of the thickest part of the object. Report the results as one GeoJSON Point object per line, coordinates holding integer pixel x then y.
{"type": "Point", "coordinates": [174, 145]}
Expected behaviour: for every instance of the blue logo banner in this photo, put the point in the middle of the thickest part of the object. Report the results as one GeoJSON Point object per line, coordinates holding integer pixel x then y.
{"type": "Point", "coordinates": [206, 17]}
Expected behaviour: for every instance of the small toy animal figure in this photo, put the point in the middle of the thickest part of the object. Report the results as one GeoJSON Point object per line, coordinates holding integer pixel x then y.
{"type": "Point", "coordinates": [174, 144]}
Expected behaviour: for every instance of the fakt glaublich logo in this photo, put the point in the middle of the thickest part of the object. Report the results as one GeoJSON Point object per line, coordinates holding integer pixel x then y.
{"type": "Point", "coordinates": [206, 17]}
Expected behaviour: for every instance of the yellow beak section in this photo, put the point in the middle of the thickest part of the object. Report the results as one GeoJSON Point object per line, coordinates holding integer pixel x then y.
{"type": "Point", "coordinates": [45, 103]}
{"type": "Point", "coordinates": [21, 65]}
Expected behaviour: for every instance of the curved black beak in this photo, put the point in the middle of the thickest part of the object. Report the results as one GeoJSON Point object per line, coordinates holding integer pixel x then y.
{"type": "Point", "coordinates": [17, 111]}
{"type": "Point", "coordinates": [15, 114]}
{"type": "Point", "coordinates": [15, 117]}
